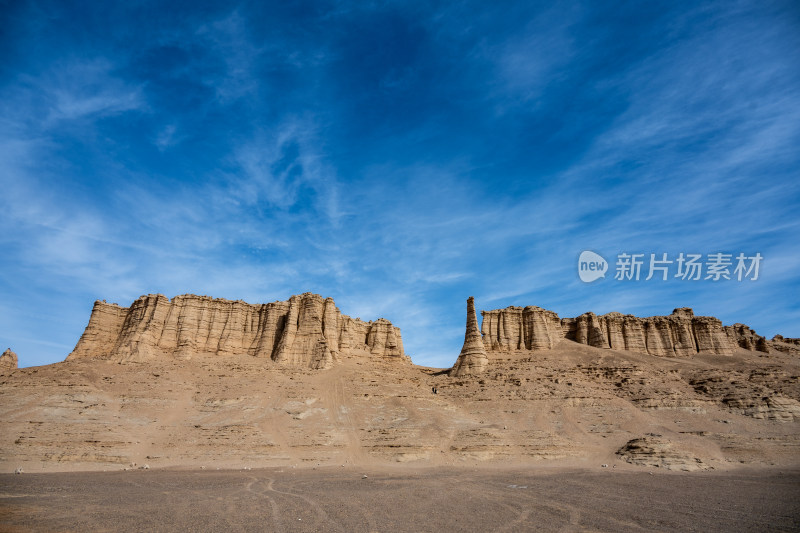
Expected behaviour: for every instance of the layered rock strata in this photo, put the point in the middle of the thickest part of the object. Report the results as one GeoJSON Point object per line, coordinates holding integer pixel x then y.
{"type": "Point", "coordinates": [681, 334]}
{"type": "Point", "coordinates": [785, 344]}
{"type": "Point", "coordinates": [655, 450]}
{"type": "Point", "coordinates": [8, 361]}
{"type": "Point", "coordinates": [518, 328]}
{"type": "Point", "coordinates": [306, 330]}
{"type": "Point", "coordinates": [473, 358]}
{"type": "Point", "coordinates": [744, 337]}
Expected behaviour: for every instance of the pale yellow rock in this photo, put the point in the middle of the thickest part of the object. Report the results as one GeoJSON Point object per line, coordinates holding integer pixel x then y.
{"type": "Point", "coordinates": [658, 336]}
{"type": "Point", "coordinates": [99, 339]}
{"type": "Point", "coordinates": [710, 337]}
{"type": "Point", "coordinates": [683, 342]}
{"type": "Point", "coordinates": [655, 450]}
{"type": "Point", "coordinates": [541, 328]}
{"type": "Point", "coordinates": [384, 339]}
{"type": "Point", "coordinates": [307, 331]}
{"type": "Point", "coordinates": [8, 361]}
{"type": "Point", "coordinates": [591, 330]}
{"type": "Point", "coordinates": [784, 344]}
{"type": "Point", "coordinates": [473, 359]}
{"type": "Point", "coordinates": [680, 334]}
{"type": "Point", "coordinates": [502, 329]}
{"type": "Point", "coordinates": [633, 334]}
{"type": "Point", "coordinates": [517, 328]}
{"type": "Point", "coordinates": [744, 337]}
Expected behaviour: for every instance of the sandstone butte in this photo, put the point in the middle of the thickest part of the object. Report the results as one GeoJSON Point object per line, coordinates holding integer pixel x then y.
{"type": "Point", "coordinates": [197, 381]}
{"type": "Point", "coordinates": [306, 330]}
{"type": "Point", "coordinates": [309, 331]}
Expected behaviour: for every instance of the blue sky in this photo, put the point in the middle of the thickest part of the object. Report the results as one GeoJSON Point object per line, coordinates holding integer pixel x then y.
{"type": "Point", "coordinates": [396, 156]}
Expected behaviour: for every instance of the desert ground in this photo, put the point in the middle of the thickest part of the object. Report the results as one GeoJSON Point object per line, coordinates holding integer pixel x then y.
{"type": "Point", "coordinates": [574, 438]}
{"type": "Point", "coordinates": [400, 499]}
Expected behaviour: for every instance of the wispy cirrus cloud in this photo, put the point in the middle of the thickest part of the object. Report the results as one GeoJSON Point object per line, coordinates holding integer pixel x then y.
{"type": "Point", "coordinates": [398, 157]}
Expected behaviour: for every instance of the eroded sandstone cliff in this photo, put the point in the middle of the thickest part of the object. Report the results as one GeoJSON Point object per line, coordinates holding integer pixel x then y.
{"type": "Point", "coordinates": [307, 330]}
{"type": "Point", "coordinates": [517, 328]}
{"type": "Point", "coordinates": [681, 334]}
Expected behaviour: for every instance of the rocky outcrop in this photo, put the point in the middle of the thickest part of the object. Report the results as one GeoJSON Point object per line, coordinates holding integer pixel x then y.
{"type": "Point", "coordinates": [8, 361]}
{"type": "Point", "coordinates": [681, 334]}
{"type": "Point", "coordinates": [307, 330]}
{"type": "Point", "coordinates": [744, 337]}
{"type": "Point", "coordinates": [654, 450]}
{"type": "Point", "coordinates": [786, 340]}
{"type": "Point", "coordinates": [518, 328]}
{"type": "Point", "coordinates": [473, 359]}
{"type": "Point", "coordinates": [384, 339]}
{"type": "Point", "coordinates": [785, 344]}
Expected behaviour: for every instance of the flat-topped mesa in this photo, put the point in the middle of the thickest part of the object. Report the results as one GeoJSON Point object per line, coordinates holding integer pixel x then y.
{"type": "Point", "coordinates": [307, 331]}
{"type": "Point", "coordinates": [472, 359]}
{"type": "Point", "coordinates": [681, 334]}
{"type": "Point", "coordinates": [8, 361]}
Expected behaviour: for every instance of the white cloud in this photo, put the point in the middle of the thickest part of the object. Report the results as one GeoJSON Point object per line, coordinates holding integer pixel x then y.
{"type": "Point", "coordinates": [79, 89]}
{"type": "Point", "coordinates": [230, 41]}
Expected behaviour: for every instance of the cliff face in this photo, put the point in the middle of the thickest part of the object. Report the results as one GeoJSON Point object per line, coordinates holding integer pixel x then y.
{"type": "Point", "coordinates": [8, 361]}
{"type": "Point", "coordinates": [680, 334]}
{"type": "Point", "coordinates": [307, 330]}
{"type": "Point", "coordinates": [517, 328]}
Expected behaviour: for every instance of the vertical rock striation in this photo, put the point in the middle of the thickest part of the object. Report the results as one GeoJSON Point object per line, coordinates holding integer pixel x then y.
{"type": "Point", "coordinates": [681, 334]}
{"type": "Point", "coordinates": [473, 359]}
{"type": "Point", "coordinates": [744, 337]}
{"type": "Point", "coordinates": [518, 328]}
{"type": "Point", "coordinates": [307, 330]}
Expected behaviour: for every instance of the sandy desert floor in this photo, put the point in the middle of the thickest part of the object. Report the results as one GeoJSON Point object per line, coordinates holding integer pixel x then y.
{"type": "Point", "coordinates": [400, 499]}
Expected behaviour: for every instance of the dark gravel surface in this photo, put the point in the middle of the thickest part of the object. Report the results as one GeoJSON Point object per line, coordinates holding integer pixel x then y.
{"type": "Point", "coordinates": [441, 499]}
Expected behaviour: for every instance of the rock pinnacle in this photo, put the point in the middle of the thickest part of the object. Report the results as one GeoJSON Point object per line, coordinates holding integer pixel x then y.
{"type": "Point", "coordinates": [473, 359]}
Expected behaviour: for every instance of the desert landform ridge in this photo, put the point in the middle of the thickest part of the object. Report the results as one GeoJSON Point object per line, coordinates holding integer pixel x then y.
{"type": "Point", "coordinates": [199, 382]}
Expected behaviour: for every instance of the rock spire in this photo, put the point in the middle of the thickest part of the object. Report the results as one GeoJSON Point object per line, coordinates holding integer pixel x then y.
{"type": "Point", "coordinates": [473, 359]}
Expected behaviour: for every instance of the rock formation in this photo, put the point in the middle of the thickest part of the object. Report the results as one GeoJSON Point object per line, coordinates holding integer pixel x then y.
{"type": "Point", "coordinates": [744, 337]}
{"type": "Point", "coordinates": [8, 361]}
{"type": "Point", "coordinates": [473, 359]}
{"type": "Point", "coordinates": [681, 334]}
{"type": "Point", "coordinates": [784, 344]}
{"type": "Point", "coordinates": [517, 328]}
{"type": "Point", "coordinates": [655, 450]}
{"type": "Point", "coordinates": [307, 330]}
